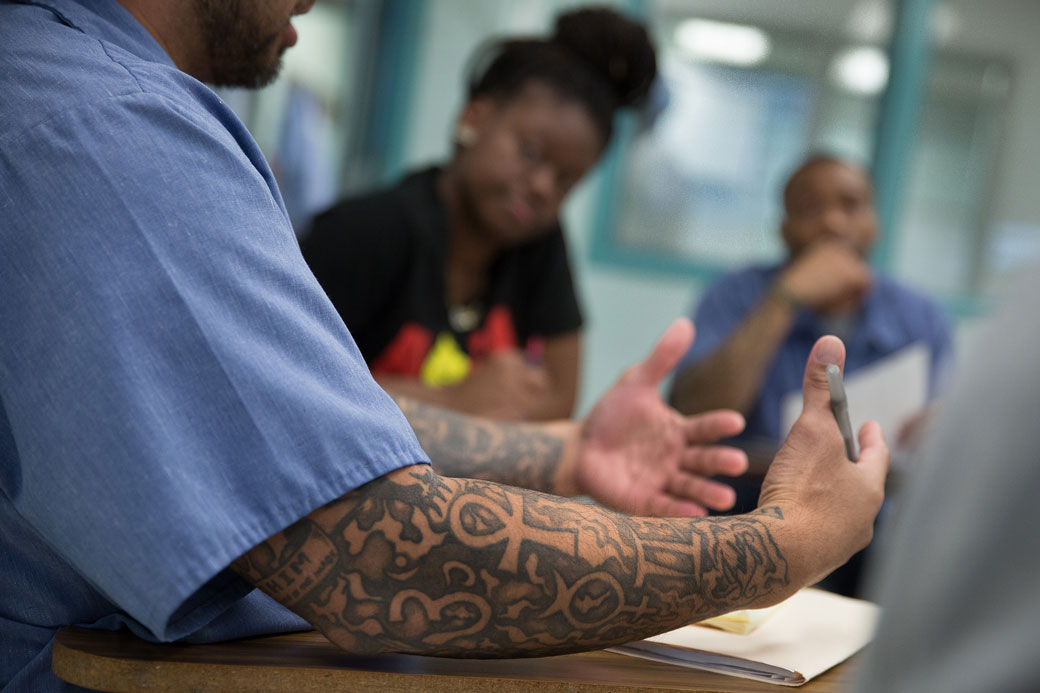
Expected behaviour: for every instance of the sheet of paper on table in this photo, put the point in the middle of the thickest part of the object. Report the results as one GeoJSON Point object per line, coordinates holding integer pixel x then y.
{"type": "Point", "coordinates": [743, 621]}
{"type": "Point", "coordinates": [887, 391]}
{"type": "Point", "coordinates": [811, 632]}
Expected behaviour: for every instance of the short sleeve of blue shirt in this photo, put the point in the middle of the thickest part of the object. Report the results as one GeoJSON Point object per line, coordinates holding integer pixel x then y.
{"type": "Point", "coordinates": [175, 384]}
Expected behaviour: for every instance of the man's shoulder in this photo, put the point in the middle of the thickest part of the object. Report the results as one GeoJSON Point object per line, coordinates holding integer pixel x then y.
{"type": "Point", "coordinates": [895, 295]}
{"type": "Point", "coordinates": [58, 61]}
{"type": "Point", "coordinates": [908, 311]}
{"type": "Point", "coordinates": [72, 72]}
{"type": "Point", "coordinates": [757, 271]}
{"type": "Point", "coordinates": [750, 281]}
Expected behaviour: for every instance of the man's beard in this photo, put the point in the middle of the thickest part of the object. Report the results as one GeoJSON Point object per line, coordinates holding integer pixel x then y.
{"type": "Point", "coordinates": [239, 53]}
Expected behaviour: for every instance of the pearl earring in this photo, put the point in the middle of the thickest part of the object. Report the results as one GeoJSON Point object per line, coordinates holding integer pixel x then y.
{"type": "Point", "coordinates": [465, 135]}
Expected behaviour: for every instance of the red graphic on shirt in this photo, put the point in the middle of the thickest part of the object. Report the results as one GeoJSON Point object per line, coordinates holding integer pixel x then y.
{"type": "Point", "coordinates": [406, 352]}
{"type": "Point", "coordinates": [408, 349]}
{"type": "Point", "coordinates": [497, 334]}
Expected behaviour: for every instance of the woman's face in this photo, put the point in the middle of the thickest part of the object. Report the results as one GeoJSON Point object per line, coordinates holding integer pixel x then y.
{"type": "Point", "coordinates": [526, 154]}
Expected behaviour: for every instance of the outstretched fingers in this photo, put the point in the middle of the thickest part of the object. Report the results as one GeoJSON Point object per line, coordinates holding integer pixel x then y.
{"type": "Point", "coordinates": [705, 492]}
{"type": "Point", "coordinates": [714, 460]}
{"type": "Point", "coordinates": [666, 353]}
{"type": "Point", "coordinates": [711, 426]}
{"type": "Point", "coordinates": [668, 505]}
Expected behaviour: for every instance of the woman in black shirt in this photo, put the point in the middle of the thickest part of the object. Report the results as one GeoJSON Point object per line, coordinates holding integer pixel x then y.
{"type": "Point", "coordinates": [455, 283]}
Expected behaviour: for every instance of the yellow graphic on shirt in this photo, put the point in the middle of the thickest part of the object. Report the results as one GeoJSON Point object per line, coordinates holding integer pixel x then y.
{"type": "Point", "coordinates": [445, 363]}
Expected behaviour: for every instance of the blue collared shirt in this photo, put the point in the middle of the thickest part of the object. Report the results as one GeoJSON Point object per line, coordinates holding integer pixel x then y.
{"type": "Point", "coordinates": [893, 316]}
{"type": "Point", "coordinates": [174, 385]}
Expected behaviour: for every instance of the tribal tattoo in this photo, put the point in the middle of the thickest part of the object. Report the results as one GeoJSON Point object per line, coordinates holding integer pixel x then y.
{"type": "Point", "coordinates": [521, 455]}
{"type": "Point", "coordinates": [418, 563]}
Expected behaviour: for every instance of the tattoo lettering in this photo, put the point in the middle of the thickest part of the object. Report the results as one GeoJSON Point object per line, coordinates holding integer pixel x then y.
{"type": "Point", "coordinates": [419, 563]}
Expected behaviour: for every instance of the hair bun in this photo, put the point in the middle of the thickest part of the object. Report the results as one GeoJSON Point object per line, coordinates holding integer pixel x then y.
{"type": "Point", "coordinates": [616, 47]}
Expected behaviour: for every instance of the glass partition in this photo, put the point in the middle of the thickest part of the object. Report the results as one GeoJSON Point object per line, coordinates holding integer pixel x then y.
{"type": "Point", "coordinates": [747, 91]}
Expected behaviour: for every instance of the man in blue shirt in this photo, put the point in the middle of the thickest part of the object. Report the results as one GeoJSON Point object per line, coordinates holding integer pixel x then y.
{"type": "Point", "coordinates": [756, 326]}
{"type": "Point", "coordinates": [184, 417]}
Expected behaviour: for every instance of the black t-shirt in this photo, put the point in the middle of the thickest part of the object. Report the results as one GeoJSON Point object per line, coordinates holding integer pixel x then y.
{"type": "Point", "coordinates": [381, 258]}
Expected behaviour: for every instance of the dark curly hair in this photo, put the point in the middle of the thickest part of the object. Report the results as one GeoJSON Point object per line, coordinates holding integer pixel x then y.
{"type": "Point", "coordinates": [595, 56]}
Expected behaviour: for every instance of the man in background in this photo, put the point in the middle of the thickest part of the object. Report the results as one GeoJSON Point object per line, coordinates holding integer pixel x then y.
{"type": "Point", "coordinates": [755, 326]}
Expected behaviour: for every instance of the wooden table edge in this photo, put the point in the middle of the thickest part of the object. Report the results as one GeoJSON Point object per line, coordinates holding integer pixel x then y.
{"type": "Point", "coordinates": [128, 673]}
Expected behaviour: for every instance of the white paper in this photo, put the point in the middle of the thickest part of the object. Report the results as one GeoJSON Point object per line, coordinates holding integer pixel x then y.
{"type": "Point", "coordinates": [887, 391]}
{"type": "Point", "coordinates": [811, 632]}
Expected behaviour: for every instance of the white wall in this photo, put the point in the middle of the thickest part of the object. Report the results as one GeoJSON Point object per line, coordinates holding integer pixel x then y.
{"type": "Point", "coordinates": [625, 311]}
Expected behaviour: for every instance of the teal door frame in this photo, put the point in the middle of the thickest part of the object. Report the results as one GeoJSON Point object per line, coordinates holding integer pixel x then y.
{"type": "Point", "coordinates": [910, 56]}
{"type": "Point", "coordinates": [396, 65]}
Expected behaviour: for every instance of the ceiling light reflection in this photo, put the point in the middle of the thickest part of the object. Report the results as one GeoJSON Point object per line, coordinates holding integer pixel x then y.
{"type": "Point", "coordinates": [734, 44]}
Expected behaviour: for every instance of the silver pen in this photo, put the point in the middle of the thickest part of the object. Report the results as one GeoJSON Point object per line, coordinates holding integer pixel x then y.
{"type": "Point", "coordinates": [840, 408]}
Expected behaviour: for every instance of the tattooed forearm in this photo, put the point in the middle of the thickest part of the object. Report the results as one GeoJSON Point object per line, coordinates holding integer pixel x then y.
{"type": "Point", "coordinates": [414, 562]}
{"type": "Point", "coordinates": [524, 455]}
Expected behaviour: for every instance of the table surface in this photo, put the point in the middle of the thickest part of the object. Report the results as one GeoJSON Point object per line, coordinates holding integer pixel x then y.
{"type": "Point", "coordinates": [303, 662]}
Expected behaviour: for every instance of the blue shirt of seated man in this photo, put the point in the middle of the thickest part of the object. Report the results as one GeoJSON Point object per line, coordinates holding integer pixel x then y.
{"type": "Point", "coordinates": [892, 316]}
